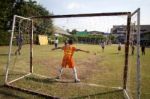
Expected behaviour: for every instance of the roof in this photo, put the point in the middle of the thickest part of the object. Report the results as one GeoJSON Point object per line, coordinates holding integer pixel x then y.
{"type": "Point", "coordinates": [117, 29]}
{"type": "Point", "coordinates": [58, 30]}
{"type": "Point", "coordinates": [81, 33]}
{"type": "Point", "coordinates": [96, 32]}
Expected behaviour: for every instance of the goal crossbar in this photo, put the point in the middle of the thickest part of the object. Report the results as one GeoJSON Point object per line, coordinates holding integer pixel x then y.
{"type": "Point", "coordinates": [83, 15]}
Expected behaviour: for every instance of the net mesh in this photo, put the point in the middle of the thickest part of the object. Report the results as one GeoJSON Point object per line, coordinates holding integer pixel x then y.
{"type": "Point", "coordinates": [19, 56]}
{"type": "Point", "coordinates": [101, 73]}
{"type": "Point", "coordinates": [132, 82]}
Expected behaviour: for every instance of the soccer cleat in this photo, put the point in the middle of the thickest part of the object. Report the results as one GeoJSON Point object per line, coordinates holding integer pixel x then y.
{"type": "Point", "coordinates": [77, 80]}
{"type": "Point", "coordinates": [15, 53]}
{"type": "Point", "coordinates": [58, 77]}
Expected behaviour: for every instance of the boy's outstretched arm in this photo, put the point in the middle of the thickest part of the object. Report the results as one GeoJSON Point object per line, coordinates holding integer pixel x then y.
{"type": "Point", "coordinates": [82, 50]}
{"type": "Point", "coordinates": [57, 48]}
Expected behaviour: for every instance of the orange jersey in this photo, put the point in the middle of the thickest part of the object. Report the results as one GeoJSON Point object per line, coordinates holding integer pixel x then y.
{"type": "Point", "coordinates": [68, 59]}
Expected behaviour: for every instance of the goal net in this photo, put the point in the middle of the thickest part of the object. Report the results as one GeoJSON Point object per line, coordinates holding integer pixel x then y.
{"type": "Point", "coordinates": [101, 71]}
{"type": "Point", "coordinates": [18, 62]}
{"type": "Point", "coordinates": [134, 78]}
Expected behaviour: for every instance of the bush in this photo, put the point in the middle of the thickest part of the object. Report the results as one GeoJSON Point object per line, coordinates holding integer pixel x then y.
{"type": "Point", "coordinates": [60, 38]}
{"type": "Point", "coordinates": [89, 39]}
{"type": "Point", "coordinates": [4, 38]}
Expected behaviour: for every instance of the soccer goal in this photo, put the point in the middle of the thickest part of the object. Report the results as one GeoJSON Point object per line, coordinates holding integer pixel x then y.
{"type": "Point", "coordinates": [109, 74]}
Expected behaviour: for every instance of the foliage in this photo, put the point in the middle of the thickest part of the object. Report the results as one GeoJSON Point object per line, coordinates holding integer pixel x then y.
{"type": "Point", "coordinates": [111, 37]}
{"type": "Point", "coordinates": [30, 9]}
{"type": "Point", "coordinates": [61, 39]}
{"type": "Point", "coordinates": [90, 39]}
{"type": "Point", "coordinates": [5, 13]}
{"type": "Point", "coordinates": [73, 32]}
{"type": "Point", "coordinates": [4, 38]}
{"type": "Point", "coordinates": [26, 9]}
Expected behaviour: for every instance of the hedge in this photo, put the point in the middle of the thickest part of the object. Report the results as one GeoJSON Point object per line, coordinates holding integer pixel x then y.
{"type": "Point", "coordinates": [4, 38]}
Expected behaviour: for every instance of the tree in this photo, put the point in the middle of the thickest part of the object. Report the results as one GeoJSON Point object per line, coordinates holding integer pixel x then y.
{"type": "Point", "coordinates": [68, 30]}
{"type": "Point", "coordinates": [5, 13]}
{"type": "Point", "coordinates": [27, 9]}
{"type": "Point", "coordinates": [111, 37]}
{"type": "Point", "coordinates": [74, 31]}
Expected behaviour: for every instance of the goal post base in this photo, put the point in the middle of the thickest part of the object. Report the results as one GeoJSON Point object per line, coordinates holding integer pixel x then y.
{"type": "Point", "coordinates": [18, 78]}
{"type": "Point", "coordinates": [41, 94]}
{"type": "Point", "coordinates": [30, 91]}
{"type": "Point", "coordinates": [126, 95]}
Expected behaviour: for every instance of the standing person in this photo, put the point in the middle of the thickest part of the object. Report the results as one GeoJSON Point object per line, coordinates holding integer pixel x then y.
{"type": "Point", "coordinates": [119, 47]}
{"type": "Point", "coordinates": [65, 42]}
{"type": "Point", "coordinates": [19, 41]}
{"type": "Point", "coordinates": [56, 42]}
{"type": "Point", "coordinates": [103, 46]}
{"type": "Point", "coordinates": [132, 49]}
{"type": "Point", "coordinates": [68, 60]}
{"type": "Point", "coordinates": [143, 49]}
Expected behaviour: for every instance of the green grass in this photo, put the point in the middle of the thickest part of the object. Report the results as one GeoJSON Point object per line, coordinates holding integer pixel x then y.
{"type": "Point", "coordinates": [103, 69]}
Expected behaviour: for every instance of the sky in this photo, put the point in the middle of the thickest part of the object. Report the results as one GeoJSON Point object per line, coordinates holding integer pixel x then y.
{"type": "Point", "coordinates": [59, 7]}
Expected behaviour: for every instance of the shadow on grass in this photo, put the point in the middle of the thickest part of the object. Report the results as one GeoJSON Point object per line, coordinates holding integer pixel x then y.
{"type": "Point", "coordinates": [6, 54]}
{"type": "Point", "coordinates": [3, 54]}
{"type": "Point", "coordinates": [13, 74]}
{"type": "Point", "coordinates": [41, 80]}
{"type": "Point", "coordinates": [7, 93]}
{"type": "Point", "coordinates": [49, 80]}
{"type": "Point", "coordinates": [103, 94]}
{"type": "Point", "coordinates": [115, 53]}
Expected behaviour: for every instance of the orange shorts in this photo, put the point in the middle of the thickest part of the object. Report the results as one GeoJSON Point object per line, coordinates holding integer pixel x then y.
{"type": "Point", "coordinates": [68, 61]}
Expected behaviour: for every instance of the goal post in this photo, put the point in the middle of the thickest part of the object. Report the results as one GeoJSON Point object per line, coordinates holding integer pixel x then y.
{"type": "Point", "coordinates": [31, 48]}
{"type": "Point", "coordinates": [138, 93]}
{"type": "Point", "coordinates": [136, 14]}
{"type": "Point", "coordinates": [29, 69]}
{"type": "Point", "coordinates": [10, 46]}
{"type": "Point", "coordinates": [126, 51]}
{"type": "Point", "coordinates": [128, 14]}
{"type": "Point", "coordinates": [133, 84]}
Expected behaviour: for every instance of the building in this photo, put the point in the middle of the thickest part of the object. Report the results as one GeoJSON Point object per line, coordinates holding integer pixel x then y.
{"type": "Point", "coordinates": [60, 31]}
{"type": "Point", "coordinates": [119, 31]}
{"type": "Point", "coordinates": [145, 38]}
{"type": "Point", "coordinates": [84, 33]}
{"type": "Point", "coordinates": [96, 33]}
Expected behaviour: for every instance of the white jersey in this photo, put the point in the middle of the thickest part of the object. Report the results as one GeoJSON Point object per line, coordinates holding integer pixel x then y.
{"type": "Point", "coordinates": [56, 41]}
{"type": "Point", "coordinates": [103, 44]}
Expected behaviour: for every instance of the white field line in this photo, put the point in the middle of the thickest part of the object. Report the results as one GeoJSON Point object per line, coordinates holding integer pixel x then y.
{"type": "Point", "coordinates": [127, 95]}
{"type": "Point", "coordinates": [81, 83]}
{"type": "Point", "coordinates": [97, 85]}
{"type": "Point", "coordinates": [18, 78]}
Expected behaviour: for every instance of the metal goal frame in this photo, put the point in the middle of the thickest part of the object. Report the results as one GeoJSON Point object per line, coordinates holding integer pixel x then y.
{"type": "Point", "coordinates": [125, 74]}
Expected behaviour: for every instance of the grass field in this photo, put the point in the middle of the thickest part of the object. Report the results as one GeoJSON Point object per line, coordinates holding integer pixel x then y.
{"type": "Point", "coordinates": [100, 73]}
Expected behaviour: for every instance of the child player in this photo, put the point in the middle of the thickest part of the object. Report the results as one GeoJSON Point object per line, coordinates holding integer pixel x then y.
{"type": "Point", "coordinates": [119, 47]}
{"type": "Point", "coordinates": [68, 60]}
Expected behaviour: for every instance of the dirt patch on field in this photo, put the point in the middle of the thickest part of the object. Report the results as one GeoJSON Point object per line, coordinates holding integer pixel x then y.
{"type": "Point", "coordinates": [89, 66]}
{"type": "Point", "coordinates": [86, 67]}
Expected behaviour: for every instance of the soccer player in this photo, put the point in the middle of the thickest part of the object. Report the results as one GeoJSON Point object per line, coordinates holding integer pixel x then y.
{"type": "Point", "coordinates": [68, 60]}
{"type": "Point", "coordinates": [119, 47]}
{"type": "Point", "coordinates": [19, 39]}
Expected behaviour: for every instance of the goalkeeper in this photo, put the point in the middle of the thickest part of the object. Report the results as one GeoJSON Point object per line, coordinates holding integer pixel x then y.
{"type": "Point", "coordinates": [68, 60]}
